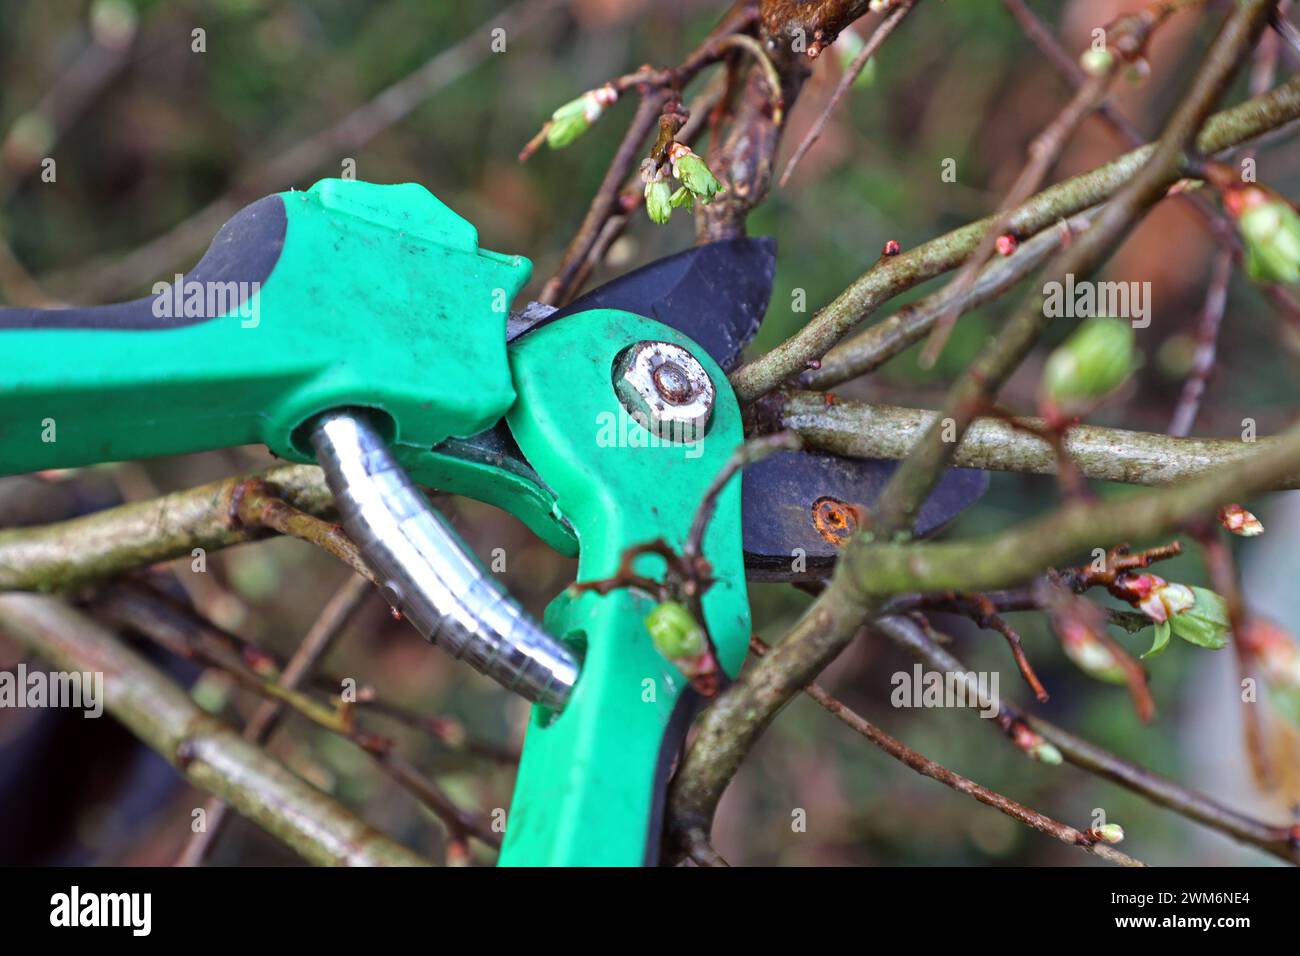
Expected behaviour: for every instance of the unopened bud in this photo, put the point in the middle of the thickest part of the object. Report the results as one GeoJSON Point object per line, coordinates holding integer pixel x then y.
{"type": "Point", "coordinates": [693, 173]}
{"type": "Point", "coordinates": [1036, 746]}
{"type": "Point", "coordinates": [1238, 520]}
{"type": "Point", "coordinates": [1270, 229]}
{"type": "Point", "coordinates": [1097, 62]}
{"type": "Point", "coordinates": [658, 202]}
{"type": "Point", "coordinates": [576, 116]}
{"type": "Point", "coordinates": [1088, 652]}
{"type": "Point", "coordinates": [1094, 361]}
{"type": "Point", "coordinates": [675, 632]}
{"type": "Point", "coordinates": [1108, 833]}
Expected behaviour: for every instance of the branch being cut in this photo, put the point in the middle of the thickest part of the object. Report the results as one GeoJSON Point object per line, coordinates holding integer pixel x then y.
{"type": "Point", "coordinates": [209, 754]}
{"type": "Point", "coordinates": [863, 430]}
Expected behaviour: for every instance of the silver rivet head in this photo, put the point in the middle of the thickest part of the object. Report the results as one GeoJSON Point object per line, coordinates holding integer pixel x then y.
{"type": "Point", "coordinates": [665, 389]}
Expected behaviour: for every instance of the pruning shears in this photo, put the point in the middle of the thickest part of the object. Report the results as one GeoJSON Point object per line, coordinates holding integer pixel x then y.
{"type": "Point", "coordinates": [361, 326]}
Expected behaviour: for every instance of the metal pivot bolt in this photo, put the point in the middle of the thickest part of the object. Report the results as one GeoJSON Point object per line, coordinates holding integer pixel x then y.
{"type": "Point", "coordinates": [665, 389]}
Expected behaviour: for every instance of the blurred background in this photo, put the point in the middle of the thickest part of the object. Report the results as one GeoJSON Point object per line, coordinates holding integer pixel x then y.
{"type": "Point", "coordinates": [153, 139]}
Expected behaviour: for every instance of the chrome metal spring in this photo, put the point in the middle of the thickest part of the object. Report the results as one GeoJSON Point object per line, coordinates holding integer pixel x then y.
{"type": "Point", "coordinates": [427, 573]}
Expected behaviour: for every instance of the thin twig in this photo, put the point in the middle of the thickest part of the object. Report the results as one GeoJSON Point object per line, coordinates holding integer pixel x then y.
{"type": "Point", "coordinates": [1207, 343]}
{"type": "Point", "coordinates": [1276, 840]}
{"type": "Point", "coordinates": [752, 451]}
{"type": "Point", "coordinates": [209, 754]}
{"type": "Point", "coordinates": [878, 37]}
{"type": "Point", "coordinates": [329, 625]}
{"type": "Point", "coordinates": [955, 781]}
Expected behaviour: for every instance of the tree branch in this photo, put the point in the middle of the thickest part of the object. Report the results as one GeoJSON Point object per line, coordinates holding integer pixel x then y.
{"type": "Point", "coordinates": [863, 430]}
{"type": "Point", "coordinates": [68, 553]}
{"type": "Point", "coordinates": [208, 753]}
{"type": "Point", "coordinates": [1280, 841]}
{"type": "Point", "coordinates": [896, 274]}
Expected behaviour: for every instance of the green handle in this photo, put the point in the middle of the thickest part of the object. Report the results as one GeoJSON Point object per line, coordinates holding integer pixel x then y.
{"type": "Point", "coordinates": [591, 781]}
{"type": "Point", "coordinates": [349, 294]}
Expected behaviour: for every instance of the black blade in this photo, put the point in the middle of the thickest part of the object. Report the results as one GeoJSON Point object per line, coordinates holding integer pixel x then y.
{"type": "Point", "coordinates": [812, 502]}
{"type": "Point", "coordinates": [716, 293]}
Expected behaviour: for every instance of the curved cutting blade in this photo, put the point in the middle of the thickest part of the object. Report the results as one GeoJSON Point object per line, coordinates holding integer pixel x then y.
{"type": "Point", "coordinates": [716, 294]}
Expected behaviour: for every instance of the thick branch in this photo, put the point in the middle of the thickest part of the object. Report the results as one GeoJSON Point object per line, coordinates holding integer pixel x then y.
{"type": "Point", "coordinates": [994, 444]}
{"type": "Point", "coordinates": [208, 753]}
{"type": "Point", "coordinates": [62, 555]}
{"type": "Point", "coordinates": [1012, 556]}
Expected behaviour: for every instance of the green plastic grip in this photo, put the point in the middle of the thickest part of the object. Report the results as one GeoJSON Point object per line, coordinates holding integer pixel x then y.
{"type": "Point", "coordinates": [591, 781]}
{"type": "Point", "coordinates": [379, 297]}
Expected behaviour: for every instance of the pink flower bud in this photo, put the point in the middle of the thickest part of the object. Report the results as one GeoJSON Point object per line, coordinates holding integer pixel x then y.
{"type": "Point", "coordinates": [1238, 520]}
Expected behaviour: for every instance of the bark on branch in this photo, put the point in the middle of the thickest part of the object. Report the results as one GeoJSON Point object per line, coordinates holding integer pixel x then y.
{"type": "Point", "coordinates": [204, 750]}
{"type": "Point", "coordinates": [864, 430]}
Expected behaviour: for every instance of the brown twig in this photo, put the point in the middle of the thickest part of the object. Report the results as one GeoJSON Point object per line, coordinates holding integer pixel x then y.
{"type": "Point", "coordinates": [754, 450]}
{"type": "Point", "coordinates": [254, 503]}
{"type": "Point", "coordinates": [209, 754]}
{"type": "Point", "coordinates": [562, 285]}
{"type": "Point", "coordinates": [1207, 342]}
{"type": "Point", "coordinates": [174, 628]}
{"type": "Point", "coordinates": [877, 39]}
{"type": "Point", "coordinates": [955, 781]}
{"type": "Point", "coordinates": [329, 625]}
{"type": "Point", "coordinates": [659, 89]}
{"type": "Point", "coordinates": [1274, 839]}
